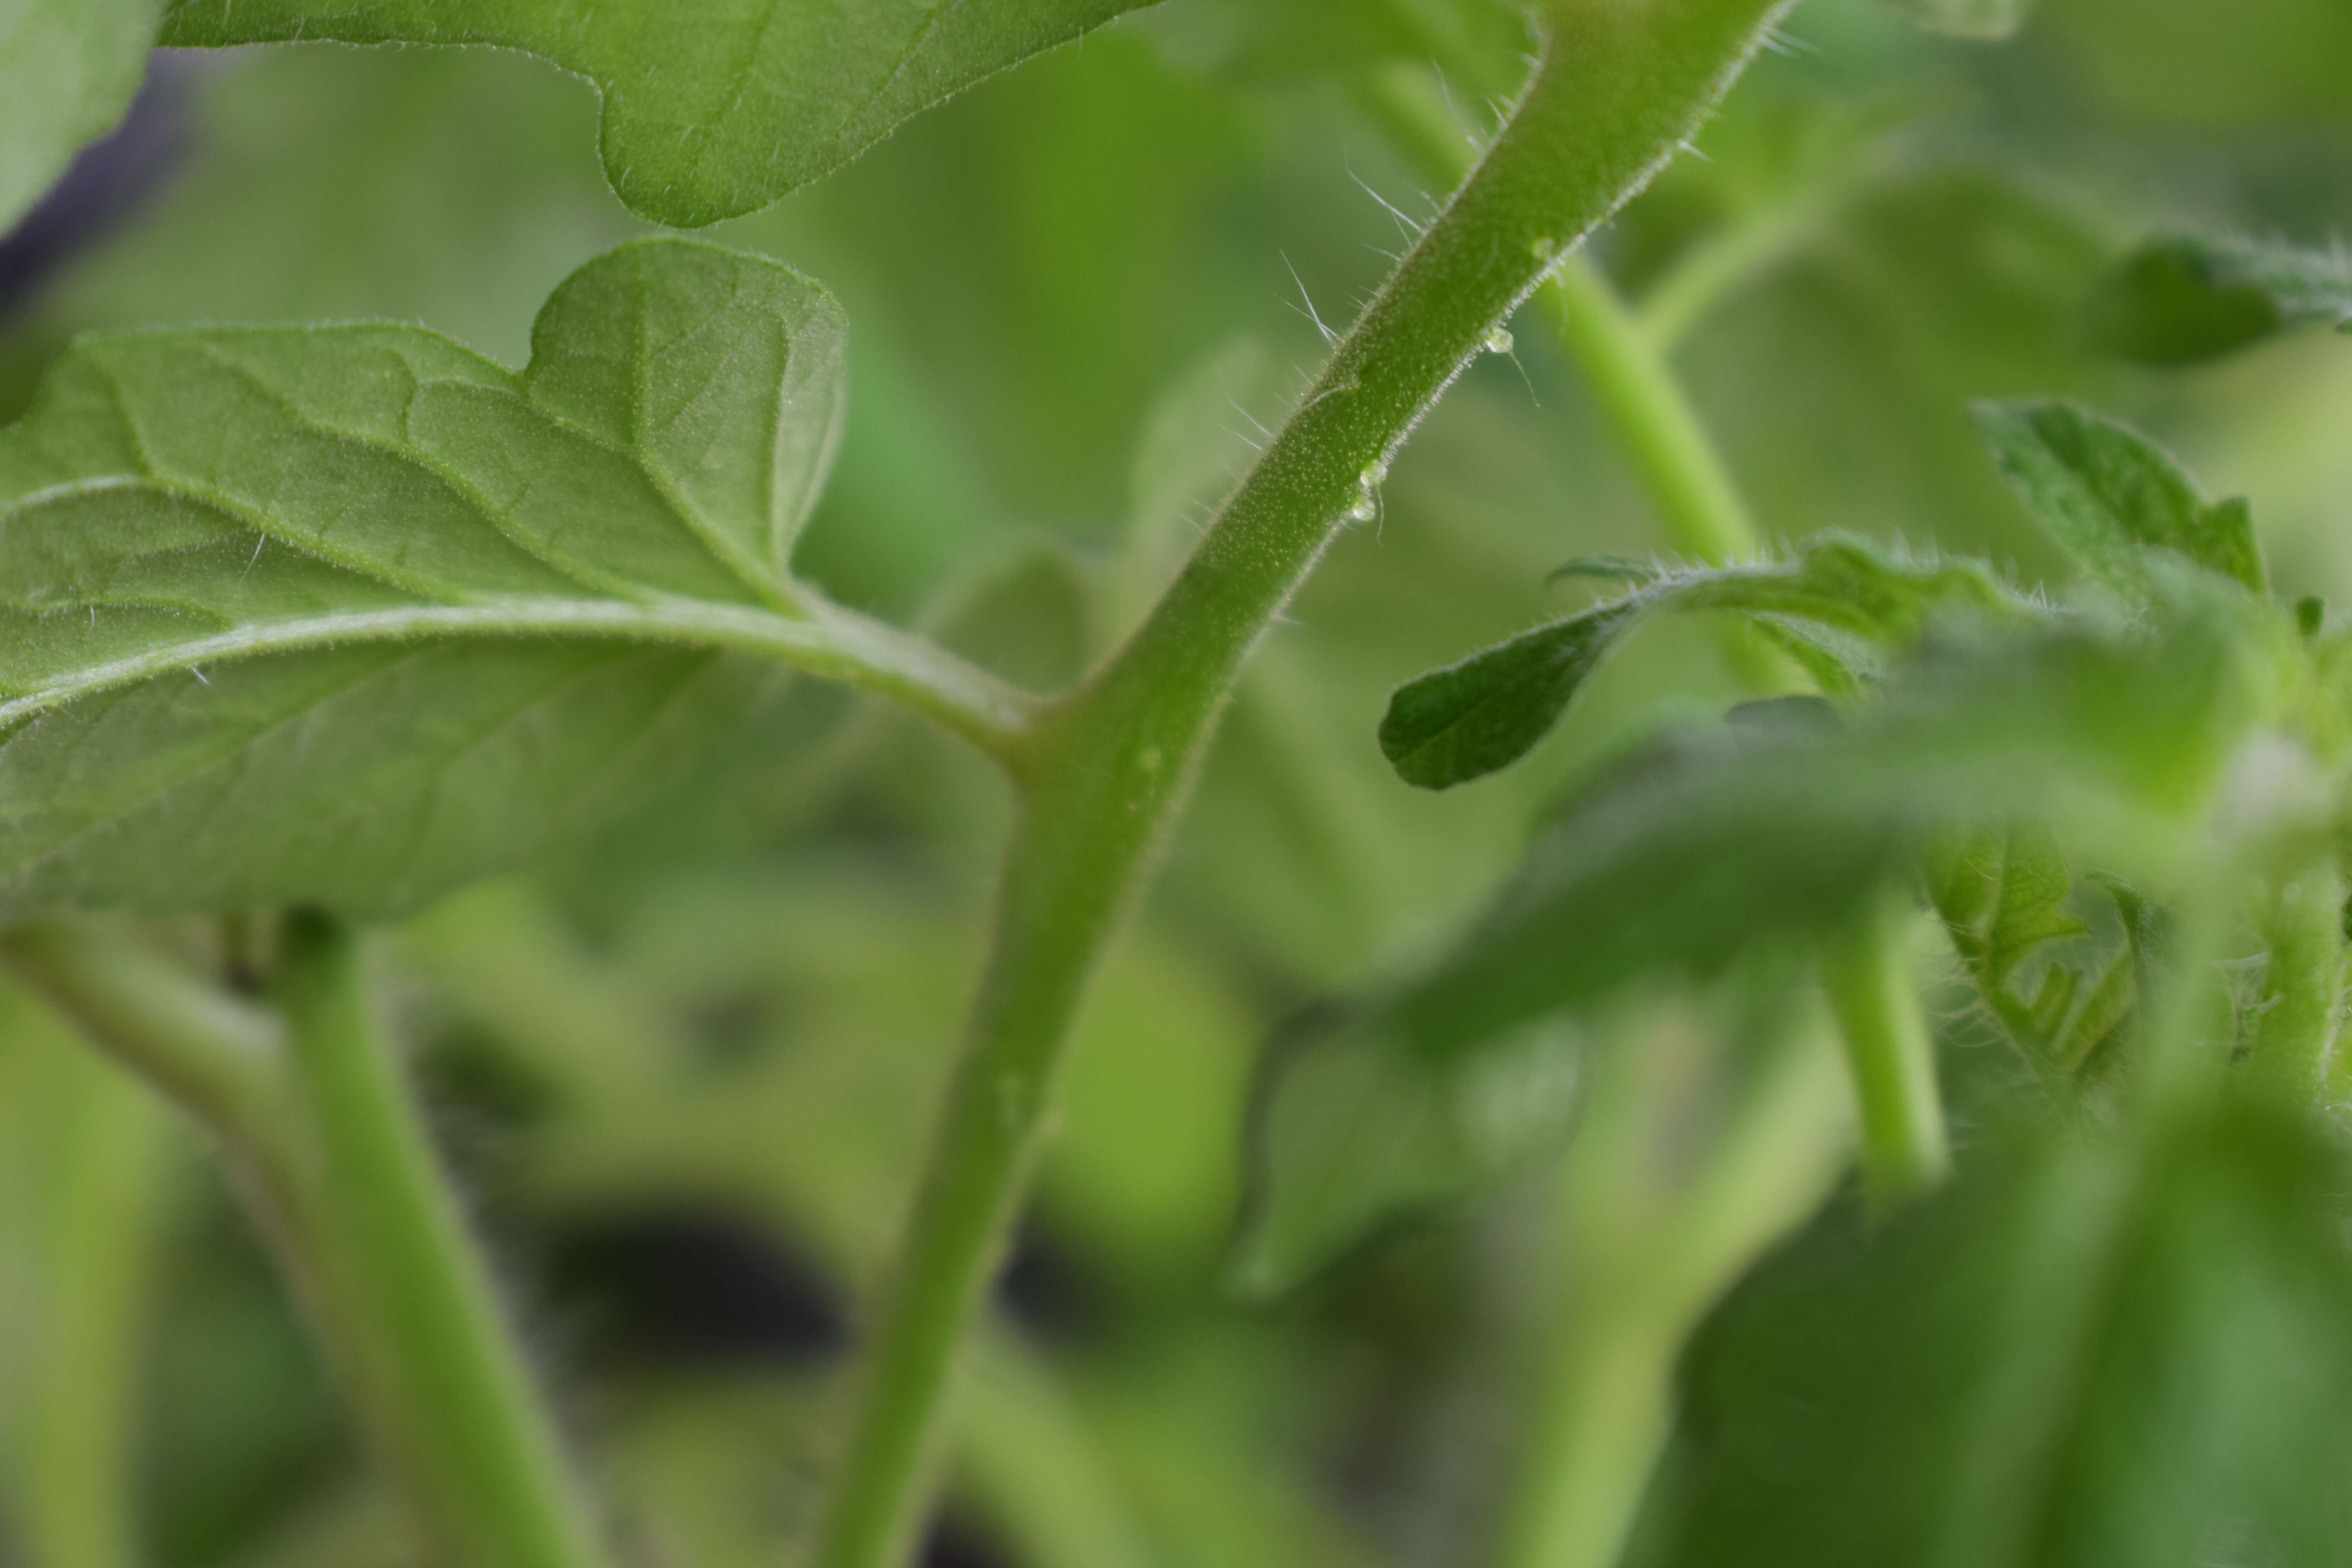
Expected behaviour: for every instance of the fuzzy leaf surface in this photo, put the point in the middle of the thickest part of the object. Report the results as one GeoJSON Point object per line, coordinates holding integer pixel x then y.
{"type": "Point", "coordinates": [352, 614]}
{"type": "Point", "coordinates": [1844, 599]}
{"type": "Point", "coordinates": [2107, 493]}
{"type": "Point", "coordinates": [67, 70]}
{"type": "Point", "coordinates": [2109, 1348]}
{"type": "Point", "coordinates": [1708, 843]}
{"type": "Point", "coordinates": [2181, 299]}
{"type": "Point", "coordinates": [720, 108]}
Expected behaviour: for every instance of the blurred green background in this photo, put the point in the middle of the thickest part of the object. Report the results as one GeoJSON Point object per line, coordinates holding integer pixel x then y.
{"type": "Point", "coordinates": [684, 1072]}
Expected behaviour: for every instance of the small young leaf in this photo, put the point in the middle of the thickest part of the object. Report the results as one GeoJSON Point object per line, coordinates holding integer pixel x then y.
{"type": "Point", "coordinates": [713, 111]}
{"type": "Point", "coordinates": [2178, 299]}
{"type": "Point", "coordinates": [2107, 493]}
{"type": "Point", "coordinates": [67, 70]}
{"type": "Point", "coordinates": [2095, 1348]}
{"type": "Point", "coordinates": [2003, 894]}
{"type": "Point", "coordinates": [1968, 18]}
{"type": "Point", "coordinates": [352, 615]}
{"type": "Point", "coordinates": [1843, 601]}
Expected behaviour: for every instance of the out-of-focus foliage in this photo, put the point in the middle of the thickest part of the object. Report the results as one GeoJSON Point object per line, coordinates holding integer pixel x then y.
{"type": "Point", "coordinates": [67, 68]}
{"type": "Point", "coordinates": [708, 116]}
{"type": "Point", "coordinates": [2181, 300]}
{"type": "Point", "coordinates": [683, 1070]}
{"type": "Point", "coordinates": [2126, 1348]}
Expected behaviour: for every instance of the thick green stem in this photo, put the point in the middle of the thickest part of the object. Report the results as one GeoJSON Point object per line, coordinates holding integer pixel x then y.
{"type": "Point", "coordinates": [1621, 86]}
{"type": "Point", "coordinates": [2302, 926]}
{"type": "Point", "coordinates": [1868, 974]}
{"type": "Point", "coordinates": [424, 1328]}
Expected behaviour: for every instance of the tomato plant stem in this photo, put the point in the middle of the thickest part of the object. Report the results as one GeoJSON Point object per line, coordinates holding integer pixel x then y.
{"type": "Point", "coordinates": [1645, 1245]}
{"type": "Point", "coordinates": [429, 1342]}
{"type": "Point", "coordinates": [1867, 972]}
{"type": "Point", "coordinates": [1618, 88]}
{"type": "Point", "coordinates": [1869, 977]}
{"type": "Point", "coordinates": [102, 1155]}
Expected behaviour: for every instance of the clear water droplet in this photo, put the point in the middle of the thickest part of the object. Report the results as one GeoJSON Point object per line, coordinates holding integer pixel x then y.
{"type": "Point", "coordinates": [1365, 508]}
{"type": "Point", "coordinates": [1499, 341]}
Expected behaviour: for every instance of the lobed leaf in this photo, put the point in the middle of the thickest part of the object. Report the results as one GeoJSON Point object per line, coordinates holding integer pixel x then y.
{"type": "Point", "coordinates": [1843, 602]}
{"type": "Point", "coordinates": [715, 111]}
{"type": "Point", "coordinates": [67, 70]}
{"type": "Point", "coordinates": [2108, 494]}
{"type": "Point", "coordinates": [2099, 1348]}
{"type": "Point", "coordinates": [2180, 300]}
{"type": "Point", "coordinates": [352, 614]}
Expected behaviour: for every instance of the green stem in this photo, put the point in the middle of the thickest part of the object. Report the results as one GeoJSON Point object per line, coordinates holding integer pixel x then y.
{"type": "Point", "coordinates": [2302, 926]}
{"type": "Point", "coordinates": [218, 1057]}
{"type": "Point", "coordinates": [427, 1334]}
{"type": "Point", "coordinates": [100, 1179]}
{"type": "Point", "coordinates": [1869, 975]}
{"type": "Point", "coordinates": [1619, 87]}
{"type": "Point", "coordinates": [1034, 1472]}
{"type": "Point", "coordinates": [1698, 505]}
{"type": "Point", "coordinates": [1644, 1256]}
{"type": "Point", "coordinates": [1890, 1052]}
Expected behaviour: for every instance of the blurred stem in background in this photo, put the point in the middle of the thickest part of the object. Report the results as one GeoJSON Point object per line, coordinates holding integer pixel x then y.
{"type": "Point", "coordinates": [319, 1125]}
{"type": "Point", "coordinates": [1647, 1236]}
{"type": "Point", "coordinates": [1890, 1051]}
{"type": "Point", "coordinates": [416, 1298]}
{"type": "Point", "coordinates": [1601, 1416]}
{"type": "Point", "coordinates": [89, 1186]}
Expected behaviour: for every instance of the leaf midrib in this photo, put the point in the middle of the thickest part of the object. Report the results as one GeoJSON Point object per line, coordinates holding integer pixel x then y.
{"type": "Point", "coordinates": [685, 622]}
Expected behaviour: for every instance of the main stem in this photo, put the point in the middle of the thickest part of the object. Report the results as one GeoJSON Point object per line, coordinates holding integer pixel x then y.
{"type": "Point", "coordinates": [1620, 85]}
{"type": "Point", "coordinates": [421, 1323]}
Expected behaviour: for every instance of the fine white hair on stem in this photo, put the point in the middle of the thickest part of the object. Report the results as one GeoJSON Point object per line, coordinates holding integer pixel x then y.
{"type": "Point", "coordinates": [1330, 337]}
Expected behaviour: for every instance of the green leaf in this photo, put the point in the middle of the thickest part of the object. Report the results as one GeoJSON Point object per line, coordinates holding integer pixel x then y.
{"type": "Point", "coordinates": [715, 113]}
{"type": "Point", "coordinates": [2005, 895]}
{"type": "Point", "coordinates": [2122, 1348]}
{"type": "Point", "coordinates": [2107, 493]}
{"type": "Point", "coordinates": [1968, 18]}
{"type": "Point", "coordinates": [67, 70]}
{"type": "Point", "coordinates": [1470, 718]}
{"type": "Point", "coordinates": [352, 615]}
{"type": "Point", "coordinates": [1354, 1128]}
{"type": "Point", "coordinates": [2179, 299]}
{"type": "Point", "coordinates": [1705, 843]}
